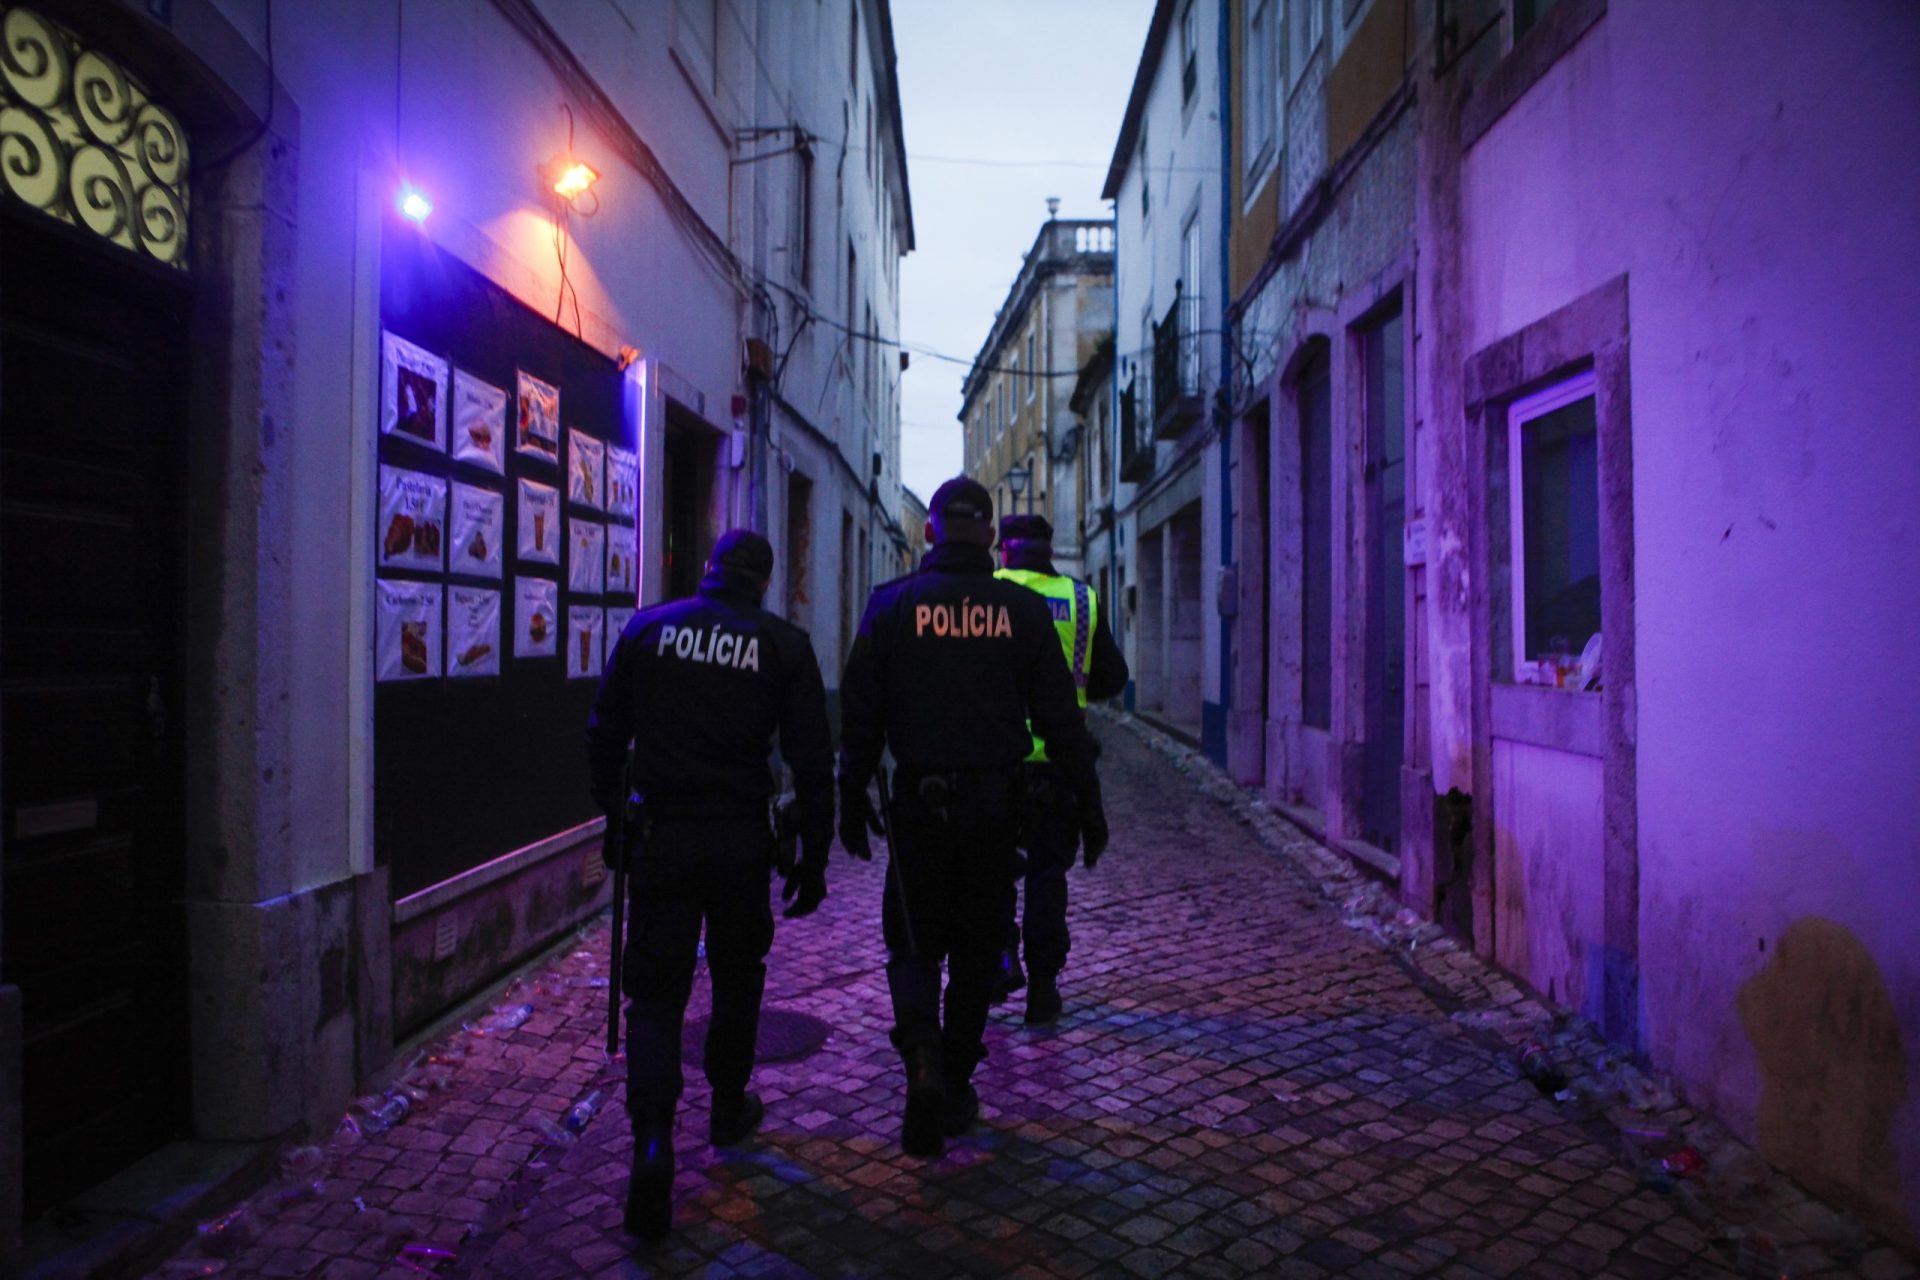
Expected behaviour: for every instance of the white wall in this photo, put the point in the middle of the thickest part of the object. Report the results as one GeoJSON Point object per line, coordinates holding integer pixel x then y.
{"type": "Point", "coordinates": [1754, 171]}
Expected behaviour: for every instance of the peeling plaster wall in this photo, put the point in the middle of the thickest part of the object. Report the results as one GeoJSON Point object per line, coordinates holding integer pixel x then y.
{"type": "Point", "coordinates": [1754, 173]}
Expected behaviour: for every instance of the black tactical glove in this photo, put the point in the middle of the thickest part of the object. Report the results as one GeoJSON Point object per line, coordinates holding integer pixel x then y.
{"type": "Point", "coordinates": [1093, 825]}
{"type": "Point", "coordinates": [857, 817]}
{"type": "Point", "coordinates": [806, 884]}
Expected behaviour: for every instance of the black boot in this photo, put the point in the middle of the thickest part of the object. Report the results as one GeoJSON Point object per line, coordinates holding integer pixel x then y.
{"type": "Point", "coordinates": [650, 1187]}
{"type": "Point", "coordinates": [735, 1119]}
{"type": "Point", "coordinates": [922, 1133]}
{"type": "Point", "coordinates": [1043, 999]}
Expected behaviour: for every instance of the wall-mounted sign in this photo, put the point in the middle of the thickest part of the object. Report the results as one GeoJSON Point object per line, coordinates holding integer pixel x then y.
{"type": "Point", "coordinates": [586, 470]}
{"type": "Point", "coordinates": [539, 522]}
{"type": "Point", "coordinates": [407, 630]}
{"type": "Point", "coordinates": [586, 557]}
{"type": "Point", "coordinates": [473, 631]}
{"type": "Point", "coordinates": [479, 423]}
{"type": "Point", "coordinates": [623, 490]}
{"type": "Point", "coordinates": [1413, 542]}
{"type": "Point", "coordinates": [478, 519]}
{"type": "Point", "coordinates": [538, 429]}
{"type": "Point", "coordinates": [536, 617]}
{"type": "Point", "coordinates": [586, 625]}
{"type": "Point", "coordinates": [413, 519]}
{"type": "Point", "coordinates": [622, 578]}
{"type": "Point", "coordinates": [413, 393]}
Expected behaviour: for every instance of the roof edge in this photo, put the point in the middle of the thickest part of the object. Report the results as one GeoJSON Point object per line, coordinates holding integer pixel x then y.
{"type": "Point", "coordinates": [1137, 97]}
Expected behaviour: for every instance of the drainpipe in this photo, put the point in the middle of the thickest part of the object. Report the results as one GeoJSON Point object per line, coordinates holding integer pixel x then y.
{"type": "Point", "coordinates": [1113, 426]}
{"type": "Point", "coordinates": [1222, 400]}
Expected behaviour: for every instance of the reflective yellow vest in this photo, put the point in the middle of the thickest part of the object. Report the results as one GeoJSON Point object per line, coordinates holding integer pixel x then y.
{"type": "Point", "coordinates": [1074, 608]}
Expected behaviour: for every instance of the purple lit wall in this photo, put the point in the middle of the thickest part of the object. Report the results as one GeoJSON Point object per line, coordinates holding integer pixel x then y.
{"type": "Point", "coordinates": [1754, 172]}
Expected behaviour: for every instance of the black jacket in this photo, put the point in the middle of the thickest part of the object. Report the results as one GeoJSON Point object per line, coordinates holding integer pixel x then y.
{"type": "Point", "coordinates": [699, 687]}
{"type": "Point", "coordinates": [949, 666]}
{"type": "Point", "coordinates": [1106, 666]}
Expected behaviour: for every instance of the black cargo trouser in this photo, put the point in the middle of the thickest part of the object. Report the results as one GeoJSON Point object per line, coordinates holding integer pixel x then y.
{"type": "Point", "coordinates": [1053, 834]}
{"type": "Point", "coordinates": [949, 897]}
{"type": "Point", "coordinates": [711, 870]}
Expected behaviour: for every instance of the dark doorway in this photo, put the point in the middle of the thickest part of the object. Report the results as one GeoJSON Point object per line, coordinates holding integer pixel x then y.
{"type": "Point", "coordinates": [93, 414]}
{"type": "Point", "coordinates": [1260, 427]}
{"type": "Point", "coordinates": [1315, 389]}
{"type": "Point", "coordinates": [1386, 514]}
{"type": "Point", "coordinates": [687, 521]}
{"type": "Point", "coordinates": [799, 550]}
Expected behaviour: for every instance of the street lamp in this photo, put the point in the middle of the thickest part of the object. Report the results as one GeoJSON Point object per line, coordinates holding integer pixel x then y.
{"type": "Point", "coordinates": [1017, 478]}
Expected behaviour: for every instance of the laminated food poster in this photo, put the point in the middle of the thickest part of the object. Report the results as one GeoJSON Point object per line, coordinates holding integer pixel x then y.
{"type": "Point", "coordinates": [473, 631]}
{"type": "Point", "coordinates": [413, 519]}
{"type": "Point", "coordinates": [479, 423]}
{"type": "Point", "coordinates": [620, 571]}
{"type": "Point", "coordinates": [585, 629]}
{"type": "Point", "coordinates": [536, 617]}
{"type": "Point", "coordinates": [586, 565]}
{"type": "Point", "coordinates": [623, 471]}
{"type": "Point", "coordinates": [539, 523]}
{"type": "Point", "coordinates": [586, 470]}
{"type": "Point", "coordinates": [413, 393]}
{"type": "Point", "coordinates": [407, 630]}
{"type": "Point", "coordinates": [478, 519]}
{"type": "Point", "coordinates": [538, 423]}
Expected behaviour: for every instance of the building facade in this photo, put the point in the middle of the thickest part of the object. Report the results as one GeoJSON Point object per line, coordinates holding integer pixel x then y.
{"type": "Point", "coordinates": [1166, 181]}
{"type": "Point", "coordinates": [1558, 478]}
{"type": "Point", "coordinates": [1020, 435]}
{"type": "Point", "coordinates": [388, 433]}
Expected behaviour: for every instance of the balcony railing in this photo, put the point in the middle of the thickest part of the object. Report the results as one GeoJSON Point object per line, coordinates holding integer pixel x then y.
{"type": "Point", "coordinates": [1176, 367]}
{"type": "Point", "coordinates": [1136, 450]}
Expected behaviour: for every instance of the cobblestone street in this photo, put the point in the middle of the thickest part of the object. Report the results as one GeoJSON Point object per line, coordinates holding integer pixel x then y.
{"type": "Point", "coordinates": [1255, 1075]}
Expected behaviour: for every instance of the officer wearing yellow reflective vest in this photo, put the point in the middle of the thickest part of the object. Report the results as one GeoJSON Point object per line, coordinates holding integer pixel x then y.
{"type": "Point", "coordinates": [1051, 831]}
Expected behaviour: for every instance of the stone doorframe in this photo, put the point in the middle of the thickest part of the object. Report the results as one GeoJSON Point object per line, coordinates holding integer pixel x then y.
{"type": "Point", "coordinates": [1592, 332]}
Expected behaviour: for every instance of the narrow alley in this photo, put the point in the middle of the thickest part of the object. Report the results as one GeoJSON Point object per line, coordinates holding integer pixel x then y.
{"type": "Point", "coordinates": [1255, 1076]}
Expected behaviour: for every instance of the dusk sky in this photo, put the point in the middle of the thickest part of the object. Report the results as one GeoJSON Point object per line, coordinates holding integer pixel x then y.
{"type": "Point", "coordinates": [1006, 102]}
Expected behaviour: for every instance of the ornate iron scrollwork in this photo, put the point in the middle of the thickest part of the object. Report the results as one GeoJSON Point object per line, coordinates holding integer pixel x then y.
{"type": "Point", "coordinates": [83, 141]}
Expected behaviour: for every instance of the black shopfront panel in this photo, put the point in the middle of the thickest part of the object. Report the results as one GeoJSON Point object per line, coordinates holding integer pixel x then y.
{"type": "Point", "coordinates": [466, 770]}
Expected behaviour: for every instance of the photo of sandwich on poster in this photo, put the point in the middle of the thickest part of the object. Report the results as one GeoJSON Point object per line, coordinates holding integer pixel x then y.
{"type": "Point", "coordinates": [479, 423]}
{"type": "Point", "coordinates": [473, 631]}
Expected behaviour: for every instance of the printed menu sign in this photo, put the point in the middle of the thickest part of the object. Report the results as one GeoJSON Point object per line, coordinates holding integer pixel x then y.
{"type": "Point", "coordinates": [413, 392]}
{"type": "Point", "coordinates": [623, 491]}
{"type": "Point", "coordinates": [479, 423]}
{"type": "Point", "coordinates": [538, 429]}
{"type": "Point", "coordinates": [539, 523]}
{"type": "Point", "coordinates": [586, 470]}
{"type": "Point", "coordinates": [479, 523]}
{"type": "Point", "coordinates": [586, 566]}
{"type": "Point", "coordinates": [473, 631]}
{"type": "Point", "coordinates": [407, 630]}
{"type": "Point", "coordinates": [536, 617]}
{"type": "Point", "coordinates": [585, 624]}
{"type": "Point", "coordinates": [413, 518]}
{"type": "Point", "coordinates": [621, 577]}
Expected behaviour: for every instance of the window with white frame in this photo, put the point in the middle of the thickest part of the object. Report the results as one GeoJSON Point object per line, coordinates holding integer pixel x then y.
{"type": "Point", "coordinates": [1553, 489]}
{"type": "Point", "coordinates": [1258, 108]}
{"type": "Point", "coordinates": [1032, 376]}
{"type": "Point", "coordinates": [1141, 165]}
{"type": "Point", "coordinates": [1013, 378]}
{"type": "Point", "coordinates": [1303, 36]}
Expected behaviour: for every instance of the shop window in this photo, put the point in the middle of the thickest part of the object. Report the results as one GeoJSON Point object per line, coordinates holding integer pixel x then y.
{"type": "Point", "coordinates": [1554, 483]}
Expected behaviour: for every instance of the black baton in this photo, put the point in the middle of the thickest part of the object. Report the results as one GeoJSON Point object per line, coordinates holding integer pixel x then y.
{"type": "Point", "coordinates": [616, 833]}
{"type": "Point", "coordinates": [897, 859]}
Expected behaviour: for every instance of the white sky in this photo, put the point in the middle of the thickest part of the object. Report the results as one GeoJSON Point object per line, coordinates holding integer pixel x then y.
{"type": "Point", "coordinates": [1013, 86]}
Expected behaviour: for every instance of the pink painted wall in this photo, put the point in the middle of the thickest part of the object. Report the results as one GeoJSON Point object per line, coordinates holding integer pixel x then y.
{"type": "Point", "coordinates": [1754, 170]}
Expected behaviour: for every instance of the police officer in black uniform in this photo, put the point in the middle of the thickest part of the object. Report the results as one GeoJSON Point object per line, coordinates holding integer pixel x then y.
{"type": "Point", "coordinates": [1050, 831]}
{"type": "Point", "coordinates": [949, 666]}
{"type": "Point", "coordinates": [699, 687]}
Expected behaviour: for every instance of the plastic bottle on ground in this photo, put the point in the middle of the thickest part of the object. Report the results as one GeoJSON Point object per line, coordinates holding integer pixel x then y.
{"type": "Point", "coordinates": [503, 1020]}
{"type": "Point", "coordinates": [581, 1114]}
